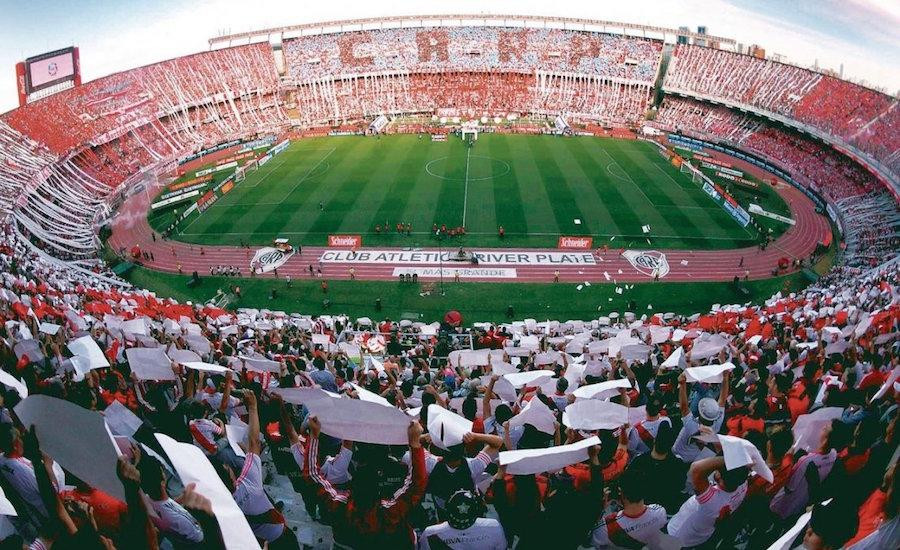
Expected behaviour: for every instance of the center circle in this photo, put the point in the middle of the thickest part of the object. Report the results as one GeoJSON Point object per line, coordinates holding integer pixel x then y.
{"type": "Point", "coordinates": [480, 168]}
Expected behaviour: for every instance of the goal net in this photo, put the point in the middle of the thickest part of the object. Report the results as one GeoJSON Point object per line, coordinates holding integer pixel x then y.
{"type": "Point", "coordinates": [241, 172]}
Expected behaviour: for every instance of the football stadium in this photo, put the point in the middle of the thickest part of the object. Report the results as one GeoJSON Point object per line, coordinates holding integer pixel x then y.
{"type": "Point", "coordinates": [450, 281]}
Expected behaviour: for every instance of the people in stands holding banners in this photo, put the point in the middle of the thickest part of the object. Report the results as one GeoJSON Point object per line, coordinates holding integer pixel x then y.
{"type": "Point", "coordinates": [133, 421]}
{"type": "Point", "coordinates": [804, 416]}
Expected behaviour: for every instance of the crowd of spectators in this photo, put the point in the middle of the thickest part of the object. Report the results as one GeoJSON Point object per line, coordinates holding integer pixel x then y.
{"type": "Point", "coordinates": [719, 429]}
{"type": "Point", "coordinates": [101, 110]}
{"type": "Point", "coordinates": [871, 219]}
{"type": "Point", "coordinates": [856, 115]}
{"type": "Point", "coordinates": [311, 58]}
{"type": "Point", "coordinates": [472, 94]}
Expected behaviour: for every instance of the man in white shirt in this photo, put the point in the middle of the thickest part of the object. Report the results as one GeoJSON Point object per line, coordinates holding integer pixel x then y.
{"type": "Point", "coordinates": [19, 473]}
{"type": "Point", "coordinates": [247, 488]}
{"type": "Point", "coordinates": [699, 516]}
{"type": "Point", "coordinates": [464, 529]}
{"type": "Point", "coordinates": [711, 414]}
{"type": "Point", "coordinates": [172, 519]}
{"type": "Point", "coordinates": [637, 524]}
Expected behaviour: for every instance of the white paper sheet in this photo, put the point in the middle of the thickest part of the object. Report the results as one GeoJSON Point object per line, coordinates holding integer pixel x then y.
{"type": "Point", "coordinates": [120, 420]}
{"type": "Point", "coordinates": [135, 326]}
{"type": "Point", "coordinates": [198, 343]}
{"type": "Point", "coordinates": [321, 339]}
{"type": "Point", "coordinates": [658, 335]}
{"type": "Point", "coordinates": [362, 421]}
{"type": "Point", "coordinates": [711, 374]}
{"type": "Point", "coordinates": [205, 367]}
{"type": "Point", "coordinates": [740, 452]}
{"type": "Point", "coordinates": [370, 396]}
{"type": "Point", "coordinates": [675, 361]}
{"type": "Point", "coordinates": [150, 363]}
{"type": "Point", "coordinates": [6, 507]}
{"type": "Point", "coordinates": [261, 364]}
{"type": "Point", "coordinates": [889, 383]}
{"type": "Point", "coordinates": [182, 355]}
{"type": "Point", "coordinates": [593, 414]}
{"type": "Point", "coordinates": [528, 378]}
{"type": "Point", "coordinates": [76, 438]}
{"type": "Point", "coordinates": [602, 390]}
{"type": "Point", "coordinates": [445, 427]}
{"type": "Point", "coordinates": [49, 328]}
{"type": "Point", "coordinates": [535, 461]}
{"type": "Point", "coordinates": [87, 347]}
{"type": "Point", "coordinates": [236, 435]}
{"type": "Point", "coordinates": [808, 428]}
{"type": "Point", "coordinates": [193, 467]}
{"type": "Point", "coordinates": [304, 396]}
{"type": "Point", "coordinates": [12, 382]}
{"type": "Point", "coordinates": [538, 415]}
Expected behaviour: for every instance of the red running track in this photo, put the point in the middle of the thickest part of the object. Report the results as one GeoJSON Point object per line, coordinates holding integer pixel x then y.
{"type": "Point", "coordinates": [130, 228]}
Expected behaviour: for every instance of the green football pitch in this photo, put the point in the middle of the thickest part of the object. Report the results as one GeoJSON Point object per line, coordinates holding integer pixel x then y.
{"type": "Point", "coordinates": [536, 187]}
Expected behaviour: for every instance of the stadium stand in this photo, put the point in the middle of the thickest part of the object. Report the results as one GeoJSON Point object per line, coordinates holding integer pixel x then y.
{"type": "Point", "coordinates": [836, 107]}
{"type": "Point", "coordinates": [624, 420]}
{"type": "Point", "coordinates": [871, 221]}
{"type": "Point", "coordinates": [803, 383]}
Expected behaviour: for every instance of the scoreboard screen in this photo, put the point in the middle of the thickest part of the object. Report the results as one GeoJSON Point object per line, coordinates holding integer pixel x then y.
{"type": "Point", "coordinates": [45, 70]}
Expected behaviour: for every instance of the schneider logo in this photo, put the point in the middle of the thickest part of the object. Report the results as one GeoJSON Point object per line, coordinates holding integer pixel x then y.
{"type": "Point", "coordinates": [348, 241]}
{"type": "Point", "coordinates": [581, 243]}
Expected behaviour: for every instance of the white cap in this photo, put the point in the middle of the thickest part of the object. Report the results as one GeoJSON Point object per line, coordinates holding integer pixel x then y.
{"type": "Point", "coordinates": [708, 409]}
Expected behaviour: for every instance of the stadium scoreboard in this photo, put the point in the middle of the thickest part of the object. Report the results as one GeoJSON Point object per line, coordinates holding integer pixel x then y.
{"type": "Point", "coordinates": [48, 70]}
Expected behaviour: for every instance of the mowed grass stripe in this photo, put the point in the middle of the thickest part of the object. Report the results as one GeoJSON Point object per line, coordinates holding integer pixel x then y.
{"type": "Point", "coordinates": [589, 190]}
{"type": "Point", "coordinates": [712, 223]}
{"type": "Point", "coordinates": [300, 206]}
{"type": "Point", "coordinates": [539, 215]}
{"type": "Point", "coordinates": [423, 201]}
{"type": "Point", "coordinates": [408, 171]}
{"type": "Point", "coordinates": [508, 204]}
{"type": "Point", "coordinates": [640, 170]}
{"type": "Point", "coordinates": [626, 205]}
{"type": "Point", "coordinates": [366, 166]}
{"type": "Point", "coordinates": [453, 167]}
{"type": "Point", "coordinates": [365, 181]}
{"type": "Point", "coordinates": [563, 201]}
{"type": "Point", "coordinates": [484, 172]}
{"type": "Point", "coordinates": [255, 207]}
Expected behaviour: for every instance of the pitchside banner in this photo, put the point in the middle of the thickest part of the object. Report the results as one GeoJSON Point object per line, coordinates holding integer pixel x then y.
{"type": "Point", "coordinates": [461, 272]}
{"type": "Point", "coordinates": [575, 243]}
{"type": "Point", "coordinates": [433, 257]}
{"type": "Point", "coordinates": [344, 241]}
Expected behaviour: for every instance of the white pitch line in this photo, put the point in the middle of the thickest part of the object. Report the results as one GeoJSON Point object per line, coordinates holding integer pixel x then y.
{"type": "Point", "coordinates": [306, 175]}
{"type": "Point", "coordinates": [466, 193]}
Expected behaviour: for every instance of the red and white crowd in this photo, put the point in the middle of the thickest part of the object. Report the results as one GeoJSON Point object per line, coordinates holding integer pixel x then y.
{"type": "Point", "coordinates": [78, 148]}
{"type": "Point", "coordinates": [871, 220]}
{"type": "Point", "coordinates": [860, 116]}
{"type": "Point", "coordinates": [130, 421]}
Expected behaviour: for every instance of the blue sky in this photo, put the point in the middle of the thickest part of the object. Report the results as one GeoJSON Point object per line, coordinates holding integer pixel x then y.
{"type": "Point", "coordinates": [114, 35]}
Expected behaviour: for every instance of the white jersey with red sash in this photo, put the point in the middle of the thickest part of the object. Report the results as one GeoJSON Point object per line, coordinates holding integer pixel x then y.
{"type": "Point", "coordinates": [642, 435]}
{"type": "Point", "coordinates": [620, 530]}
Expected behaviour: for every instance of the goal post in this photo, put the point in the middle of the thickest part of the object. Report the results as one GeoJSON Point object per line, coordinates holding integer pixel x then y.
{"type": "Point", "coordinates": [469, 135]}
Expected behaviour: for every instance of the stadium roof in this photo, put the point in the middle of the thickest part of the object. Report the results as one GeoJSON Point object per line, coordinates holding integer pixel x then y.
{"type": "Point", "coordinates": [368, 23]}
